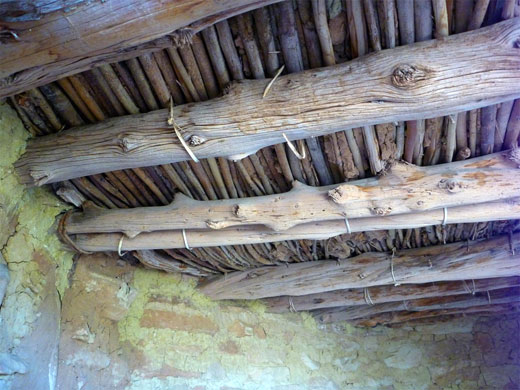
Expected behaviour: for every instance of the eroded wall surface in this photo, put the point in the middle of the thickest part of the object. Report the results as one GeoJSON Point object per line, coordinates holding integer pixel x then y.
{"type": "Point", "coordinates": [37, 265]}
{"type": "Point", "coordinates": [102, 324]}
{"type": "Point", "coordinates": [142, 329]}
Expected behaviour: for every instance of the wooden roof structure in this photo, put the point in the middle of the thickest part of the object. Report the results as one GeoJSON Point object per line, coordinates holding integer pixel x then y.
{"type": "Point", "coordinates": [382, 214]}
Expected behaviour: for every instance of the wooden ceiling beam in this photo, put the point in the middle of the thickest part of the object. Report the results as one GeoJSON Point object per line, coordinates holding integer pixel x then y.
{"type": "Point", "coordinates": [67, 42]}
{"type": "Point", "coordinates": [403, 189]}
{"type": "Point", "coordinates": [406, 316]}
{"type": "Point", "coordinates": [256, 234]}
{"type": "Point", "coordinates": [457, 261]}
{"type": "Point", "coordinates": [426, 79]}
{"type": "Point", "coordinates": [384, 294]}
{"type": "Point", "coordinates": [495, 297]}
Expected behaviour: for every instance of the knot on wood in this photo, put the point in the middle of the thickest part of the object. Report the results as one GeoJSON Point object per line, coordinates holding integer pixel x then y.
{"type": "Point", "coordinates": [237, 211]}
{"type": "Point", "coordinates": [216, 224]}
{"type": "Point", "coordinates": [463, 153]}
{"type": "Point", "coordinates": [407, 75]}
{"type": "Point", "coordinates": [382, 211]}
{"type": "Point", "coordinates": [127, 144]}
{"type": "Point", "coordinates": [450, 185]}
{"type": "Point", "coordinates": [230, 87]}
{"type": "Point", "coordinates": [196, 140]}
{"type": "Point", "coordinates": [342, 194]}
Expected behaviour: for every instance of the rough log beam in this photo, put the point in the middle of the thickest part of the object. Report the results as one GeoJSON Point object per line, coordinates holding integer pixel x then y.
{"type": "Point", "coordinates": [405, 316]}
{"type": "Point", "coordinates": [404, 189]}
{"type": "Point", "coordinates": [422, 80]}
{"type": "Point", "coordinates": [94, 33]}
{"type": "Point", "coordinates": [198, 238]}
{"type": "Point", "coordinates": [457, 261]}
{"type": "Point", "coordinates": [497, 297]}
{"type": "Point", "coordinates": [384, 294]}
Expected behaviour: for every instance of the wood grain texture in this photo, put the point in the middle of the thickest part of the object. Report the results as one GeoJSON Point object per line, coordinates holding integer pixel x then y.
{"type": "Point", "coordinates": [457, 261]}
{"type": "Point", "coordinates": [410, 82]}
{"type": "Point", "coordinates": [414, 316]}
{"type": "Point", "coordinates": [384, 294]}
{"type": "Point", "coordinates": [491, 296]}
{"type": "Point", "coordinates": [255, 234]}
{"type": "Point", "coordinates": [94, 33]}
{"type": "Point", "coordinates": [403, 189]}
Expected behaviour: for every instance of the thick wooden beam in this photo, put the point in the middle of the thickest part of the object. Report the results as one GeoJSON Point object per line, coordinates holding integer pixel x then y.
{"type": "Point", "coordinates": [198, 238]}
{"type": "Point", "coordinates": [405, 316]}
{"type": "Point", "coordinates": [458, 261]}
{"type": "Point", "coordinates": [496, 297]}
{"type": "Point", "coordinates": [404, 189]}
{"type": "Point", "coordinates": [384, 294]}
{"type": "Point", "coordinates": [94, 33]}
{"type": "Point", "coordinates": [426, 79]}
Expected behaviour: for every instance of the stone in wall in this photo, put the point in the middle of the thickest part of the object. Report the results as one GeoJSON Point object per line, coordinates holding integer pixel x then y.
{"type": "Point", "coordinates": [169, 336]}
{"type": "Point", "coordinates": [91, 356]}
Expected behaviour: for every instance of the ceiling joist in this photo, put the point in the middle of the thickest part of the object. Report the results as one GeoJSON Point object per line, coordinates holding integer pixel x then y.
{"type": "Point", "coordinates": [84, 36]}
{"type": "Point", "coordinates": [379, 295]}
{"type": "Point", "coordinates": [403, 189]}
{"type": "Point", "coordinates": [491, 258]}
{"type": "Point", "coordinates": [426, 79]}
{"type": "Point", "coordinates": [410, 316]}
{"type": "Point", "coordinates": [491, 296]}
{"type": "Point", "coordinates": [256, 234]}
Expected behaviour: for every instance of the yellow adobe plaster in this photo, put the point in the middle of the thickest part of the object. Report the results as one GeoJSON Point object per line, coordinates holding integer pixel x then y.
{"type": "Point", "coordinates": [27, 218]}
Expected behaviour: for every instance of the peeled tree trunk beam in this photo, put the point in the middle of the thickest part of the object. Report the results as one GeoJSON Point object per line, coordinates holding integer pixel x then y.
{"type": "Point", "coordinates": [64, 43]}
{"type": "Point", "coordinates": [404, 189]}
{"type": "Point", "coordinates": [502, 296]}
{"type": "Point", "coordinates": [457, 261]}
{"type": "Point", "coordinates": [405, 316]}
{"type": "Point", "coordinates": [423, 80]}
{"type": "Point", "coordinates": [256, 234]}
{"type": "Point", "coordinates": [384, 294]}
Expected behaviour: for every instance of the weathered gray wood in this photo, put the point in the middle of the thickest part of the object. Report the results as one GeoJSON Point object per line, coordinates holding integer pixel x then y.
{"type": "Point", "coordinates": [153, 259]}
{"type": "Point", "coordinates": [408, 316]}
{"type": "Point", "coordinates": [98, 32]}
{"type": "Point", "coordinates": [425, 79]}
{"type": "Point", "coordinates": [23, 10]}
{"type": "Point", "coordinates": [404, 189]}
{"type": "Point", "coordinates": [457, 261]}
{"type": "Point", "coordinates": [496, 297]}
{"type": "Point", "coordinates": [384, 294]}
{"type": "Point", "coordinates": [255, 234]}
